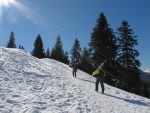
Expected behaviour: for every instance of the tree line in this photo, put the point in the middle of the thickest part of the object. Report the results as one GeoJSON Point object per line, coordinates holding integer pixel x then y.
{"type": "Point", "coordinates": [118, 48]}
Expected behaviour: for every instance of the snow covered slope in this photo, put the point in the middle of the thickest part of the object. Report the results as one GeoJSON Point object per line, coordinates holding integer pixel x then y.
{"type": "Point", "coordinates": [30, 85]}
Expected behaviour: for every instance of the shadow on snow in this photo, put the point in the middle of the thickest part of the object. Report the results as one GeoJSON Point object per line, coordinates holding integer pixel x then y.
{"type": "Point", "coordinates": [132, 101]}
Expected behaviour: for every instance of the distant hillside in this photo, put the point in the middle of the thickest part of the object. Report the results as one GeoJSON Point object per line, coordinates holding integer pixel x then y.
{"type": "Point", "coordinates": [145, 76]}
{"type": "Point", "coordinates": [147, 70]}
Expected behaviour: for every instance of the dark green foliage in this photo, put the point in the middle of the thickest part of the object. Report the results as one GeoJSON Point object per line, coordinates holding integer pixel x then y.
{"type": "Point", "coordinates": [47, 55]}
{"type": "Point", "coordinates": [21, 47]}
{"type": "Point", "coordinates": [127, 57]}
{"type": "Point", "coordinates": [66, 58]}
{"type": "Point", "coordinates": [58, 52]}
{"type": "Point", "coordinates": [102, 44]}
{"type": "Point", "coordinates": [11, 42]}
{"type": "Point", "coordinates": [38, 50]}
{"type": "Point", "coordinates": [86, 63]}
{"type": "Point", "coordinates": [76, 51]}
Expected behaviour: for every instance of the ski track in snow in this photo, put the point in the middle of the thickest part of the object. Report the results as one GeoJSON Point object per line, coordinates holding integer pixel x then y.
{"type": "Point", "coordinates": [30, 85]}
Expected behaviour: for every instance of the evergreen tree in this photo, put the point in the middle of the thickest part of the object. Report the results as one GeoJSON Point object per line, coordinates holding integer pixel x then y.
{"type": "Point", "coordinates": [86, 63]}
{"type": "Point", "coordinates": [38, 50]}
{"type": "Point", "coordinates": [58, 52]}
{"type": "Point", "coordinates": [76, 51]}
{"type": "Point", "coordinates": [127, 56]}
{"type": "Point", "coordinates": [66, 58]}
{"type": "Point", "coordinates": [21, 47]}
{"type": "Point", "coordinates": [103, 41]}
{"type": "Point", "coordinates": [53, 54]}
{"type": "Point", "coordinates": [11, 42]}
{"type": "Point", "coordinates": [47, 55]}
{"type": "Point", "coordinates": [103, 47]}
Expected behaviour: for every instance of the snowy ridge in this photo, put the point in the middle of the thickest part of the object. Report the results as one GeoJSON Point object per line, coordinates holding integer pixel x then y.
{"type": "Point", "coordinates": [147, 70]}
{"type": "Point", "coordinates": [30, 85]}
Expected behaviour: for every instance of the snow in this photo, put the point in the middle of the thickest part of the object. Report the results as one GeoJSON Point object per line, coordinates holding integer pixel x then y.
{"type": "Point", "coordinates": [147, 70]}
{"type": "Point", "coordinates": [31, 85]}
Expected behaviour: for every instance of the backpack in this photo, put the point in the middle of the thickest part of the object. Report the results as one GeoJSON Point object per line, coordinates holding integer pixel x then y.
{"type": "Point", "coordinates": [96, 72]}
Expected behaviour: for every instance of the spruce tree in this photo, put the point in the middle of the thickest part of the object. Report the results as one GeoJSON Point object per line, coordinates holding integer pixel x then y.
{"type": "Point", "coordinates": [38, 50]}
{"type": "Point", "coordinates": [58, 52]}
{"type": "Point", "coordinates": [86, 63]}
{"type": "Point", "coordinates": [103, 41]}
{"type": "Point", "coordinates": [128, 56]}
{"type": "Point", "coordinates": [103, 47]}
{"type": "Point", "coordinates": [66, 58]}
{"type": "Point", "coordinates": [53, 54]}
{"type": "Point", "coordinates": [21, 47]}
{"type": "Point", "coordinates": [47, 55]}
{"type": "Point", "coordinates": [76, 51]}
{"type": "Point", "coordinates": [11, 42]}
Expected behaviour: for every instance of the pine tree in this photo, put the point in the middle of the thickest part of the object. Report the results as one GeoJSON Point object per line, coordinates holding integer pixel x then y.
{"type": "Point", "coordinates": [11, 43]}
{"type": "Point", "coordinates": [66, 58]}
{"type": "Point", "coordinates": [103, 41]}
{"type": "Point", "coordinates": [38, 50]}
{"type": "Point", "coordinates": [53, 54]}
{"type": "Point", "coordinates": [86, 63]}
{"type": "Point", "coordinates": [128, 56]}
{"type": "Point", "coordinates": [76, 51]}
{"type": "Point", "coordinates": [21, 47]}
{"type": "Point", "coordinates": [58, 52]}
{"type": "Point", "coordinates": [103, 47]}
{"type": "Point", "coordinates": [47, 55]}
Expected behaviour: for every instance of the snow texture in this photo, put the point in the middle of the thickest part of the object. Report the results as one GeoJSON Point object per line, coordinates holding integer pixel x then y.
{"type": "Point", "coordinates": [31, 85]}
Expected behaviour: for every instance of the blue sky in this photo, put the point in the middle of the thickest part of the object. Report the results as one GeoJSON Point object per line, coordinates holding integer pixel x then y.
{"type": "Point", "coordinates": [73, 19]}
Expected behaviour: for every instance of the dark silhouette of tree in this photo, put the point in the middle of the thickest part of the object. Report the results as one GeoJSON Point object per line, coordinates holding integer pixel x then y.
{"type": "Point", "coordinates": [58, 52]}
{"type": "Point", "coordinates": [76, 51]}
{"type": "Point", "coordinates": [66, 58]}
{"type": "Point", "coordinates": [38, 50]}
{"type": "Point", "coordinates": [128, 56]}
{"type": "Point", "coordinates": [103, 47]}
{"type": "Point", "coordinates": [47, 55]}
{"type": "Point", "coordinates": [86, 63]}
{"type": "Point", "coordinates": [103, 41]}
{"type": "Point", "coordinates": [21, 47]}
{"type": "Point", "coordinates": [11, 42]}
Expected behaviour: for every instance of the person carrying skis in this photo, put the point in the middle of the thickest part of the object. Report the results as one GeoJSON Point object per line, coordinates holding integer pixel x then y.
{"type": "Point", "coordinates": [99, 74]}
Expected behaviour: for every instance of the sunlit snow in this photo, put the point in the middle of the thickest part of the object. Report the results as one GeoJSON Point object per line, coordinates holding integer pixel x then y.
{"type": "Point", "coordinates": [31, 85]}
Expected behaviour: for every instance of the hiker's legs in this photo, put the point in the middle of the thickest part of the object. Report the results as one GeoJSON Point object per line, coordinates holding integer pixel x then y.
{"type": "Point", "coordinates": [102, 86]}
{"type": "Point", "coordinates": [75, 74]}
{"type": "Point", "coordinates": [96, 84]}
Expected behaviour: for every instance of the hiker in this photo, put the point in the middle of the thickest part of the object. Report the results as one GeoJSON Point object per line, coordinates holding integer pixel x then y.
{"type": "Point", "coordinates": [74, 68]}
{"type": "Point", "coordinates": [99, 74]}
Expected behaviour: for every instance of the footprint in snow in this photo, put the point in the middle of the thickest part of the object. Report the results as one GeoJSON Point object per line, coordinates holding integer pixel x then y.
{"type": "Point", "coordinates": [16, 96]}
{"type": "Point", "coordinates": [1, 106]}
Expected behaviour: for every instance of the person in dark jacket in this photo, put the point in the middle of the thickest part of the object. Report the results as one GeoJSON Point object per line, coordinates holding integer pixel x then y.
{"type": "Point", "coordinates": [99, 74]}
{"type": "Point", "coordinates": [74, 68]}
